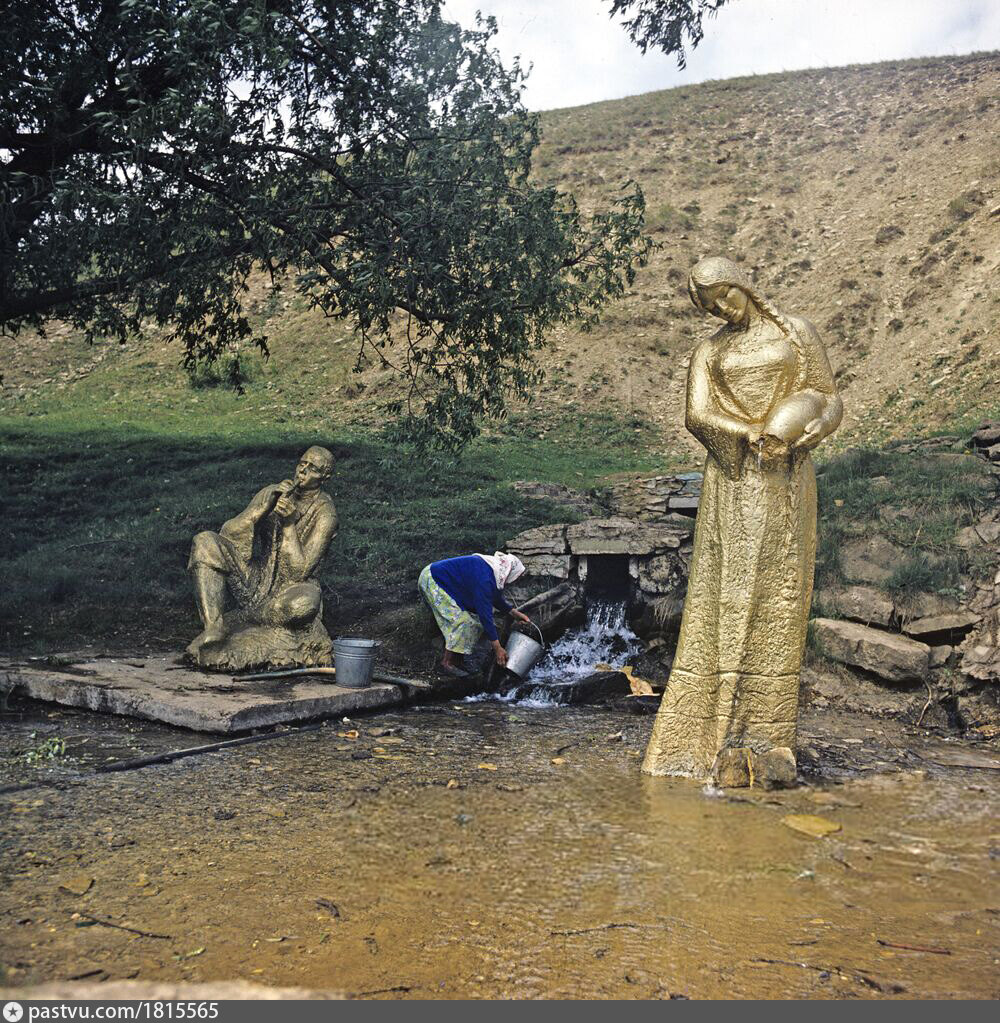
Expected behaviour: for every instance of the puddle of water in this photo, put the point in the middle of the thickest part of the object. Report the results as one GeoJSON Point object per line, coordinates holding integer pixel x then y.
{"type": "Point", "coordinates": [502, 851]}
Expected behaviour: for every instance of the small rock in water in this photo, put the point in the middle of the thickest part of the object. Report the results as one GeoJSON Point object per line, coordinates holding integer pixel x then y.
{"type": "Point", "coordinates": [731, 769]}
{"type": "Point", "coordinates": [78, 884]}
{"type": "Point", "coordinates": [740, 767]}
{"type": "Point", "coordinates": [775, 769]}
{"type": "Point", "coordinates": [810, 824]}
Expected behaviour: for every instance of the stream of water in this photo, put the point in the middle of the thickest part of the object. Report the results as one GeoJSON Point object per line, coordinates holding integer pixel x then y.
{"type": "Point", "coordinates": [487, 850]}
{"type": "Point", "coordinates": [604, 638]}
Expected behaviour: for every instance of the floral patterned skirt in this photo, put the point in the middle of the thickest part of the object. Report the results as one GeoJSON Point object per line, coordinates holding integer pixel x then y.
{"type": "Point", "coordinates": [461, 629]}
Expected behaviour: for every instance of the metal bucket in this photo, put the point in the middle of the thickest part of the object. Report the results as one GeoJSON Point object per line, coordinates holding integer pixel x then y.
{"type": "Point", "coordinates": [523, 653]}
{"type": "Point", "coordinates": [354, 660]}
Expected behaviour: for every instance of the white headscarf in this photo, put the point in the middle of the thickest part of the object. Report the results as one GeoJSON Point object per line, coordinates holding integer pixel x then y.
{"type": "Point", "coordinates": [506, 567]}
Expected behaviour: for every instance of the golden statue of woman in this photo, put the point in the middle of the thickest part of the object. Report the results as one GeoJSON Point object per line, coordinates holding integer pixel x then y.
{"type": "Point", "coordinates": [760, 397]}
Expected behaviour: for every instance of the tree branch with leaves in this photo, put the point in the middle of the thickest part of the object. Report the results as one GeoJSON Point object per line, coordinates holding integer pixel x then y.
{"type": "Point", "coordinates": [154, 154]}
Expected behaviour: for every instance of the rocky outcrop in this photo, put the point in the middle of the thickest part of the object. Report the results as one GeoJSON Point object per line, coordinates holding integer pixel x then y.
{"type": "Point", "coordinates": [871, 559]}
{"type": "Point", "coordinates": [938, 628]}
{"type": "Point", "coordinates": [543, 551]}
{"type": "Point", "coordinates": [862, 604]}
{"type": "Point", "coordinates": [540, 540]}
{"type": "Point", "coordinates": [558, 494]}
{"type": "Point", "coordinates": [986, 440]}
{"type": "Point", "coordinates": [624, 536]}
{"type": "Point", "coordinates": [656, 498]}
{"type": "Point", "coordinates": [892, 657]}
{"type": "Point", "coordinates": [981, 649]}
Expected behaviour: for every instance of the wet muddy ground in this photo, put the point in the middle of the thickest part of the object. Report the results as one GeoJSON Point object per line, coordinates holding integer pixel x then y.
{"type": "Point", "coordinates": [484, 850]}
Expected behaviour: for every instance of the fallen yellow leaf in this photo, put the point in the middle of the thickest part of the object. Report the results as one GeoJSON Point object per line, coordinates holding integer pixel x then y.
{"type": "Point", "coordinates": [453, 783]}
{"type": "Point", "coordinates": [810, 824]}
{"type": "Point", "coordinates": [487, 767]}
{"type": "Point", "coordinates": [352, 734]}
{"type": "Point", "coordinates": [639, 686]}
{"type": "Point", "coordinates": [558, 760]}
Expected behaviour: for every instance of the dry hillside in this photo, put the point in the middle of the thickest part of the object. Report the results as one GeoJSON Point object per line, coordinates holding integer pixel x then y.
{"type": "Point", "coordinates": [866, 198]}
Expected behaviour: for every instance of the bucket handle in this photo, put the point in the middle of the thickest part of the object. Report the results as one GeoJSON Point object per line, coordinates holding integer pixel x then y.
{"type": "Point", "coordinates": [541, 638]}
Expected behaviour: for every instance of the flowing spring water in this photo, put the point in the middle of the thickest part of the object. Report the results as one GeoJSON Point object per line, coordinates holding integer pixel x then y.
{"type": "Point", "coordinates": [604, 638]}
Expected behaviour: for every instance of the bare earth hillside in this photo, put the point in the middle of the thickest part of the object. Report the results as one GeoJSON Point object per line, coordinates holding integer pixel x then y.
{"type": "Point", "coordinates": [865, 198]}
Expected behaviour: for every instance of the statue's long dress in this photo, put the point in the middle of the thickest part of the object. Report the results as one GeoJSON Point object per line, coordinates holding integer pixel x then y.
{"type": "Point", "coordinates": [735, 677]}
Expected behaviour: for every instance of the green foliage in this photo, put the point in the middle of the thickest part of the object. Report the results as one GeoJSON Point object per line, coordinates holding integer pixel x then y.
{"type": "Point", "coordinates": [917, 499]}
{"type": "Point", "coordinates": [664, 24]}
{"type": "Point", "coordinates": [921, 574]}
{"type": "Point", "coordinates": [666, 217]}
{"type": "Point", "coordinates": [230, 368]}
{"type": "Point", "coordinates": [965, 205]}
{"type": "Point", "coordinates": [371, 156]}
{"type": "Point", "coordinates": [45, 751]}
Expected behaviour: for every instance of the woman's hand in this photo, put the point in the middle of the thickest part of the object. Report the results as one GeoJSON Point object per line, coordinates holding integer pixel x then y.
{"type": "Point", "coordinates": [811, 436]}
{"type": "Point", "coordinates": [520, 616]}
{"type": "Point", "coordinates": [499, 653]}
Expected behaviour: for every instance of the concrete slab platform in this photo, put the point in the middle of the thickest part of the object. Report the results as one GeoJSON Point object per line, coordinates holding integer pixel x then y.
{"type": "Point", "coordinates": [157, 689]}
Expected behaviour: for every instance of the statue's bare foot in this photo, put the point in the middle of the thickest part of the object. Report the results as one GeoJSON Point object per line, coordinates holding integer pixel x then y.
{"type": "Point", "coordinates": [214, 632]}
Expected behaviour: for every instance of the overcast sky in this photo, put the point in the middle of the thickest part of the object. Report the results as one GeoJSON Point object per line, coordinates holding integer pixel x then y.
{"type": "Point", "coordinates": [580, 56]}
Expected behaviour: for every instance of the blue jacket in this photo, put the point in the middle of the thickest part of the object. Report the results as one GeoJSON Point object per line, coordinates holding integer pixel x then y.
{"type": "Point", "coordinates": [469, 582]}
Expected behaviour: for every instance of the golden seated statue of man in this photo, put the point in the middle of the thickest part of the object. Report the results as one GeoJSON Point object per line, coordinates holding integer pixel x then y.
{"type": "Point", "coordinates": [266, 558]}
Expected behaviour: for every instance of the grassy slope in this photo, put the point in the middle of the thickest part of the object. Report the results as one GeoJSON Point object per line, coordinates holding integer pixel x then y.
{"type": "Point", "coordinates": [99, 511]}
{"type": "Point", "coordinates": [861, 197]}
{"type": "Point", "coordinates": [916, 499]}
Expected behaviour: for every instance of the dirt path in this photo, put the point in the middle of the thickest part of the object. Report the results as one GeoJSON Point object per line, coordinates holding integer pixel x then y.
{"type": "Point", "coordinates": [481, 850]}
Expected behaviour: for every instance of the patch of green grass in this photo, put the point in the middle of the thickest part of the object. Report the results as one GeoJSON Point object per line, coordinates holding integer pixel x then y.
{"type": "Point", "coordinates": [919, 573]}
{"type": "Point", "coordinates": [98, 516]}
{"type": "Point", "coordinates": [220, 372]}
{"type": "Point", "coordinates": [665, 217]}
{"type": "Point", "coordinates": [965, 205]}
{"type": "Point", "coordinates": [917, 499]}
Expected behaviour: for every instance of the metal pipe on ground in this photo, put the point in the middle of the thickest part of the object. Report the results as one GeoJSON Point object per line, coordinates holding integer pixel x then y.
{"type": "Point", "coordinates": [377, 676]}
